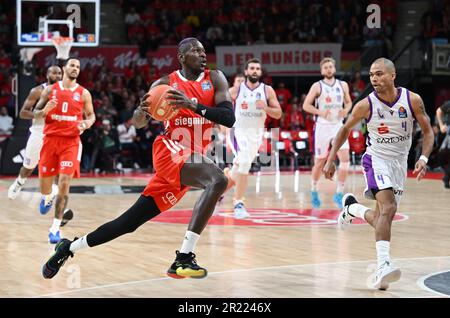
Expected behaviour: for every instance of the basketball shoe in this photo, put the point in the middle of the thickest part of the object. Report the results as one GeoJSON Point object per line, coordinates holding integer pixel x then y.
{"type": "Point", "coordinates": [62, 253]}
{"type": "Point", "coordinates": [15, 189]}
{"type": "Point", "coordinates": [240, 212]}
{"type": "Point", "coordinates": [385, 275]}
{"type": "Point", "coordinates": [337, 198]}
{"type": "Point", "coordinates": [67, 216]}
{"type": "Point", "coordinates": [185, 266]}
{"type": "Point", "coordinates": [46, 204]}
{"type": "Point", "coordinates": [315, 200]}
{"type": "Point", "coordinates": [345, 218]}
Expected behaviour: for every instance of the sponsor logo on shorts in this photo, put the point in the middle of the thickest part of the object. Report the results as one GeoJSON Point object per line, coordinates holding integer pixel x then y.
{"type": "Point", "coordinates": [392, 140]}
{"type": "Point", "coordinates": [171, 198]}
{"type": "Point", "coordinates": [66, 164]}
{"type": "Point", "coordinates": [398, 192]}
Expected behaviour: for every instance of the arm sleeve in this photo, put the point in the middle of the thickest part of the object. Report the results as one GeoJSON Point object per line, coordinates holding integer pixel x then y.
{"type": "Point", "coordinates": [222, 114]}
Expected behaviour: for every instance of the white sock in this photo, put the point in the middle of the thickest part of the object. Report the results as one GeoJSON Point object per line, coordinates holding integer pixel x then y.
{"type": "Point", "coordinates": [55, 226]}
{"type": "Point", "coordinates": [189, 242]}
{"type": "Point", "coordinates": [358, 210]}
{"type": "Point", "coordinates": [21, 180]}
{"type": "Point", "coordinates": [79, 244]}
{"type": "Point", "coordinates": [383, 248]}
{"type": "Point", "coordinates": [47, 198]}
{"type": "Point", "coordinates": [314, 185]}
{"type": "Point", "coordinates": [340, 187]}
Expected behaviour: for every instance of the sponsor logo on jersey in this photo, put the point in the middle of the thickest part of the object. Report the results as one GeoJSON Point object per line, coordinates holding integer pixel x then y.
{"type": "Point", "coordinates": [328, 99]}
{"type": "Point", "coordinates": [63, 117]}
{"type": "Point", "coordinates": [382, 129]}
{"type": "Point", "coordinates": [380, 113]}
{"type": "Point", "coordinates": [76, 96]}
{"type": "Point", "coordinates": [206, 86]}
{"type": "Point", "coordinates": [391, 111]}
{"type": "Point", "coordinates": [190, 121]}
{"type": "Point", "coordinates": [339, 98]}
{"type": "Point", "coordinates": [393, 140]}
{"type": "Point", "coordinates": [338, 89]}
{"type": "Point", "coordinates": [258, 96]}
{"type": "Point", "coordinates": [175, 85]}
{"type": "Point", "coordinates": [244, 105]}
{"type": "Point", "coordinates": [67, 164]}
{"type": "Point", "coordinates": [251, 114]}
{"type": "Point", "coordinates": [402, 112]}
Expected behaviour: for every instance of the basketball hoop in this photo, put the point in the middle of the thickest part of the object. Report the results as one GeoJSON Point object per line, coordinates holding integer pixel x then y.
{"type": "Point", "coordinates": [62, 45]}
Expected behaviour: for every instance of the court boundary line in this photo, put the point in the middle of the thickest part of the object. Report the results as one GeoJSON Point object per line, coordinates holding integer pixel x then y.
{"type": "Point", "coordinates": [227, 272]}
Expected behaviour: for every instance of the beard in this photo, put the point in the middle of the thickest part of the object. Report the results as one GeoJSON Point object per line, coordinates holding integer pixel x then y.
{"type": "Point", "coordinates": [254, 79]}
{"type": "Point", "coordinates": [329, 77]}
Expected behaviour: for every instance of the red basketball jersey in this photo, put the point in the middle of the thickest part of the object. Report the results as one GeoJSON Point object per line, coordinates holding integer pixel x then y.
{"type": "Point", "coordinates": [63, 120]}
{"type": "Point", "coordinates": [188, 128]}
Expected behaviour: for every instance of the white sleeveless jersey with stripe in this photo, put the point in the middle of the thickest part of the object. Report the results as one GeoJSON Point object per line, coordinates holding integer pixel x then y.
{"type": "Point", "coordinates": [390, 126]}
{"type": "Point", "coordinates": [248, 107]}
{"type": "Point", "coordinates": [331, 98]}
{"type": "Point", "coordinates": [37, 125]}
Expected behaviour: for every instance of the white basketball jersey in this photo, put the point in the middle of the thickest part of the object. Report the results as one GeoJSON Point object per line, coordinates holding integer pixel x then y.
{"type": "Point", "coordinates": [248, 108]}
{"type": "Point", "coordinates": [331, 97]}
{"type": "Point", "coordinates": [390, 126]}
{"type": "Point", "coordinates": [37, 125]}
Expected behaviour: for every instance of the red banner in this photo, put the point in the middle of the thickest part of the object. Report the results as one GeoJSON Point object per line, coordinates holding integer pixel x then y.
{"type": "Point", "coordinates": [116, 58]}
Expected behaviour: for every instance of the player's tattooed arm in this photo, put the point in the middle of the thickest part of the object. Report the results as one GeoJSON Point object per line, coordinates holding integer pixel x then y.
{"type": "Point", "coordinates": [44, 105]}
{"type": "Point", "coordinates": [141, 115]}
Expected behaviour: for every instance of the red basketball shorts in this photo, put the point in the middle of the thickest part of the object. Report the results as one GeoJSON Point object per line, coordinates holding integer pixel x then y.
{"type": "Point", "coordinates": [165, 186]}
{"type": "Point", "coordinates": [60, 155]}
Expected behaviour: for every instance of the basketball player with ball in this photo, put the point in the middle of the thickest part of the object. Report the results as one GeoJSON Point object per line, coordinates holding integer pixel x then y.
{"type": "Point", "coordinates": [190, 101]}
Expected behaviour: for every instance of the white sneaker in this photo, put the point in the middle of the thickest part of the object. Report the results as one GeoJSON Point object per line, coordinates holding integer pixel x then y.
{"type": "Point", "coordinates": [345, 218]}
{"type": "Point", "coordinates": [384, 275]}
{"type": "Point", "coordinates": [15, 189]}
{"type": "Point", "coordinates": [240, 212]}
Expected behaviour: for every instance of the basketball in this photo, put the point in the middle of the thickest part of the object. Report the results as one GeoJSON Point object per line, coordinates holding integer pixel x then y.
{"type": "Point", "coordinates": [159, 105]}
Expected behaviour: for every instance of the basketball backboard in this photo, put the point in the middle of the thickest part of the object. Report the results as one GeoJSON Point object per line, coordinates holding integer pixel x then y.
{"type": "Point", "coordinates": [40, 20]}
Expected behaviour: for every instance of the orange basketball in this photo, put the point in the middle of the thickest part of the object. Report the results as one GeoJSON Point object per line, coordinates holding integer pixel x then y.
{"type": "Point", "coordinates": [159, 105]}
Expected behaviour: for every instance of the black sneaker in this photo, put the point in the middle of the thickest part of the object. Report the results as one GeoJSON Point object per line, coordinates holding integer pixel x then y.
{"type": "Point", "coordinates": [186, 266]}
{"type": "Point", "coordinates": [62, 253]}
{"type": "Point", "coordinates": [67, 216]}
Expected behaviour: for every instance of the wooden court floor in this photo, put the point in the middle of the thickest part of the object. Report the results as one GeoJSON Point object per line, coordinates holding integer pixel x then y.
{"type": "Point", "coordinates": [285, 249]}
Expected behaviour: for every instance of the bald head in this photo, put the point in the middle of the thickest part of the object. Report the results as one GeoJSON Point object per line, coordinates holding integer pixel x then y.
{"type": "Point", "coordinates": [386, 63]}
{"type": "Point", "coordinates": [54, 74]}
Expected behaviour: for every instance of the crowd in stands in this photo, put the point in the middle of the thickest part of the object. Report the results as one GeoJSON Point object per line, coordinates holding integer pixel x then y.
{"type": "Point", "coordinates": [240, 22]}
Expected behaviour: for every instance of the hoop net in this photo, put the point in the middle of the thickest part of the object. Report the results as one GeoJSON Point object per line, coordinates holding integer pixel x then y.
{"type": "Point", "coordinates": [63, 45]}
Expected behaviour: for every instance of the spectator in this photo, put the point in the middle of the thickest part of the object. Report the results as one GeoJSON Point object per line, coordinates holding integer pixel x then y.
{"type": "Point", "coordinates": [6, 123]}
{"type": "Point", "coordinates": [132, 17]}
{"type": "Point", "coordinates": [106, 147]}
{"type": "Point", "coordinates": [284, 95]}
{"type": "Point", "coordinates": [127, 138]}
{"type": "Point", "coordinates": [357, 85]}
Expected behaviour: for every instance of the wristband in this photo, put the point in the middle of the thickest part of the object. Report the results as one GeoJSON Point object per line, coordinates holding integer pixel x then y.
{"type": "Point", "coordinates": [425, 159]}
